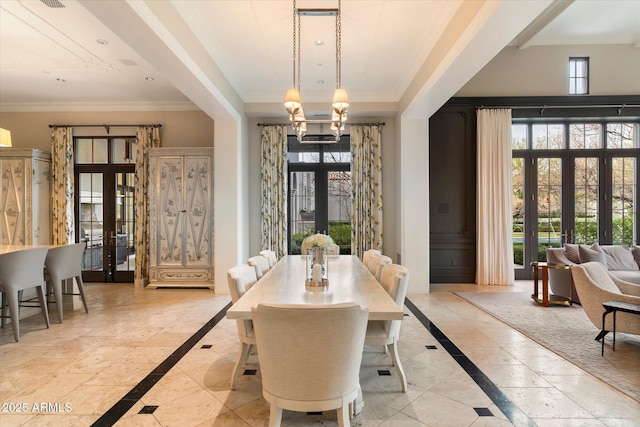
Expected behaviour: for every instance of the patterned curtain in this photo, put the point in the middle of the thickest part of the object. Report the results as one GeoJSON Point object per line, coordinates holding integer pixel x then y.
{"type": "Point", "coordinates": [148, 137]}
{"type": "Point", "coordinates": [62, 211]}
{"type": "Point", "coordinates": [366, 178]}
{"type": "Point", "coordinates": [494, 216]}
{"type": "Point", "coordinates": [274, 189]}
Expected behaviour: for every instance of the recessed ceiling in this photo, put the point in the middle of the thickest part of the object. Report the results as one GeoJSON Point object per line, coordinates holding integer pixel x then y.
{"type": "Point", "coordinates": [53, 55]}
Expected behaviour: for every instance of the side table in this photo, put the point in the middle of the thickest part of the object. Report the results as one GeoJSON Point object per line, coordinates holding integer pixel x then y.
{"type": "Point", "coordinates": [547, 298]}
{"type": "Point", "coordinates": [614, 307]}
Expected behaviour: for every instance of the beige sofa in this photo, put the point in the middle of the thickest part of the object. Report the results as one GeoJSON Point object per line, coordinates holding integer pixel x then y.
{"type": "Point", "coordinates": [621, 262]}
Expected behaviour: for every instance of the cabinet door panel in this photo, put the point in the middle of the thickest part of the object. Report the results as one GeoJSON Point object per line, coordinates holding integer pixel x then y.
{"type": "Point", "coordinates": [197, 173]}
{"type": "Point", "coordinates": [170, 214]}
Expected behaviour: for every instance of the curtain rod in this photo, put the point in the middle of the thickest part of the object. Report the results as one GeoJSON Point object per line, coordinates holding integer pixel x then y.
{"type": "Point", "coordinates": [309, 121]}
{"type": "Point", "coordinates": [620, 107]}
{"type": "Point", "coordinates": [105, 126]}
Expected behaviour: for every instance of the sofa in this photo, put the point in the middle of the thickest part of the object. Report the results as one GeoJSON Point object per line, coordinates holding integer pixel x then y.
{"type": "Point", "coordinates": [621, 262]}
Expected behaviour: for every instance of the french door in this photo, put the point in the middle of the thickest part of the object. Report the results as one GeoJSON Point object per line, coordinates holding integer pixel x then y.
{"type": "Point", "coordinates": [319, 192]}
{"type": "Point", "coordinates": [572, 198]}
{"type": "Point", "coordinates": [105, 220]}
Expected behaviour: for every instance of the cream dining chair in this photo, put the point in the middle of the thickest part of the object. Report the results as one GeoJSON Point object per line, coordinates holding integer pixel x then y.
{"type": "Point", "coordinates": [240, 279]}
{"type": "Point", "coordinates": [395, 280]}
{"type": "Point", "coordinates": [271, 256]}
{"type": "Point", "coordinates": [260, 263]}
{"type": "Point", "coordinates": [22, 270]}
{"type": "Point", "coordinates": [378, 262]}
{"type": "Point", "coordinates": [366, 256]}
{"type": "Point", "coordinates": [62, 263]}
{"type": "Point", "coordinates": [310, 356]}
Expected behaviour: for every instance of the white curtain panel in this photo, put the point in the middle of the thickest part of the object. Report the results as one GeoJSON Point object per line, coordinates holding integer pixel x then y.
{"type": "Point", "coordinates": [274, 189]}
{"type": "Point", "coordinates": [62, 214]}
{"type": "Point", "coordinates": [366, 178]}
{"type": "Point", "coordinates": [494, 216]}
{"type": "Point", "coordinates": [148, 137]}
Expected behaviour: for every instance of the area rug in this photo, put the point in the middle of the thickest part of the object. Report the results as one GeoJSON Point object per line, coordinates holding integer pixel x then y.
{"type": "Point", "coordinates": [568, 332]}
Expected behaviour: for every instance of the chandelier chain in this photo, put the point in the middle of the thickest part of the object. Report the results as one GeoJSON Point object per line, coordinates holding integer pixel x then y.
{"type": "Point", "coordinates": [294, 45]}
{"type": "Point", "coordinates": [299, 50]}
{"type": "Point", "coordinates": [339, 46]}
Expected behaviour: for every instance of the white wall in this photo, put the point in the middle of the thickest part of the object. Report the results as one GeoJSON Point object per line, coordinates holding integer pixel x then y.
{"type": "Point", "coordinates": [543, 71]}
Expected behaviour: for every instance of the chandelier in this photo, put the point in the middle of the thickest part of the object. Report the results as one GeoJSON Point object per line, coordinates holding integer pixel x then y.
{"type": "Point", "coordinates": [292, 100]}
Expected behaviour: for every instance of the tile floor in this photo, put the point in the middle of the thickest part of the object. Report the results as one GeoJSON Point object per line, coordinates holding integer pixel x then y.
{"type": "Point", "coordinates": [105, 368]}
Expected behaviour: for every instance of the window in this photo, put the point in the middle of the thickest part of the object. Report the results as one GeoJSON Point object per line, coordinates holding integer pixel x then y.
{"type": "Point", "coordinates": [578, 76]}
{"type": "Point", "coordinates": [574, 181]}
{"type": "Point", "coordinates": [319, 191]}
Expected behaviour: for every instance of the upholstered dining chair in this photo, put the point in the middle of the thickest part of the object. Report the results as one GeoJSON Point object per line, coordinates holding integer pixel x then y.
{"type": "Point", "coordinates": [62, 263]}
{"type": "Point", "coordinates": [378, 262]}
{"type": "Point", "coordinates": [271, 256]}
{"type": "Point", "coordinates": [334, 251]}
{"type": "Point", "coordinates": [310, 356]}
{"type": "Point", "coordinates": [395, 280]}
{"type": "Point", "coordinates": [366, 256]}
{"type": "Point", "coordinates": [260, 263]}
{"type": "Point", "coordinates": [240, 278]}
{"type": "Point", "coordinates": [22, 270]}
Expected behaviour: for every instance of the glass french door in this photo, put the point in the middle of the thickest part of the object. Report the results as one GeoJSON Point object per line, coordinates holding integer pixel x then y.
{"type": "Point", "coordinates": [319, 202]}
{"type": "Point", "coordinates": [105, 220]}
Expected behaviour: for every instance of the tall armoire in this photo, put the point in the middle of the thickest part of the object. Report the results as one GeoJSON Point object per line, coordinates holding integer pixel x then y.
{"type": "Point", "coordinates": [181, 217]}
{"type": "Point", "coordinates": [25, 175]}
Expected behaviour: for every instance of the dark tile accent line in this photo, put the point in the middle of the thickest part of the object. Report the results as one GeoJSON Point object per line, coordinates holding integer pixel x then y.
{"type": "Point", "coordinates": [510, 409]}
{"type": "Point", "coordinates": [483, 412]}
{"type": "Point", "coordinates": [206, 346]}
{"type": "Point", "coordinates": [148, 409]}
{"type": "Point", "coordinates": [431, 347]}
{"type": "Point", "coordinates": [116, 412]}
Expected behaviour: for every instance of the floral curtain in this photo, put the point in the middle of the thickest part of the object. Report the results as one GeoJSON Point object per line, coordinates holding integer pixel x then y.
{"type": "Point", "coordinates": [274, 189]}
{"type": "Point", "coordinates": [148, 137]}
{"type": "Point", "coordinates": [62, 210]}
{"type": "Point", "coordinates": [366, 179]}
{"type": "Point", "coordinates": [494, 191]}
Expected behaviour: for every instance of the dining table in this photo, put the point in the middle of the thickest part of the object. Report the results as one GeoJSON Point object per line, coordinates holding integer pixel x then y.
{"type": "Point", "coordinates": [4, 249]}
{"type": "Point", "coordinates": [348, 281]}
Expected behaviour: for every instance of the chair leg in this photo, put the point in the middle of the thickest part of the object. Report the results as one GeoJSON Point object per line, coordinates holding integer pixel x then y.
{"type": "Point", "coordinates": [275, 416]}
{"type": "Point", "coordinates": [343, 416]}
{"type": "Point", "coordinates": [396, 362]}
{"type": "Point", "coordinates": [43, 304]}
{"type": "Point", "coordinates": [81, 289]}
{"type": "Point", "coordinates": [56, 284]}
{"type": "Point", "coordinates": [245, 349]}
{"type": "Point", "coordinates": [13, 299]}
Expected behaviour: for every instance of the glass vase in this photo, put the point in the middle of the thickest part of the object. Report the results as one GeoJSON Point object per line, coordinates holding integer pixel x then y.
{"type": "Point", "coordinates": [317, 268]}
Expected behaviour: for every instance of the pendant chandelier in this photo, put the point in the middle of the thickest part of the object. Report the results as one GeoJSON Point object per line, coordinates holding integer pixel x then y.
{"type": "Point", "coordinates": [292, 100]}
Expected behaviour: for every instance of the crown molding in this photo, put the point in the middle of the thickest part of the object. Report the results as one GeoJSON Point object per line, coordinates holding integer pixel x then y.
{"type": "Point", "coordinates": [97, 106]}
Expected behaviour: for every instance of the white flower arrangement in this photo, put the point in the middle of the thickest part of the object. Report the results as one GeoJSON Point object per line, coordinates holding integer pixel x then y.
{"type": "Point", "coordinates": [319, 240]}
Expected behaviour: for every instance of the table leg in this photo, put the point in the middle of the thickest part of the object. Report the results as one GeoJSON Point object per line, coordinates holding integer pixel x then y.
{"type": "Point", "coordinates": [535, 281]}
{"type": "Point", "coordinates": [614, 329]}
{"type": "Point", "coordinates": [604, 315]}
{"type": "Point", "coordinates": [545, 287]}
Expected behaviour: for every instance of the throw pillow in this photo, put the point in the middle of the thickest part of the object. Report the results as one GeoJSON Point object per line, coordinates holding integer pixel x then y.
{"type": "Point", "coordinates": [590, 255]}
{"type": "Point", "coordinates": [635, 250]}
{"type": "Point", "coordinates": [571, 251]}
{"type": "Point", "coordinates": [619, 258]}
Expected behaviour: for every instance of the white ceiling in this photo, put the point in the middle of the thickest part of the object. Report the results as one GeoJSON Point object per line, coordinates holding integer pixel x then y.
{"type": "Point", "coordinates": [50, 57]}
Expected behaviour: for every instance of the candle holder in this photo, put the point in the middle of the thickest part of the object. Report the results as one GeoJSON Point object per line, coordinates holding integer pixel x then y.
{"type": "Point", "coordinates": [317, 269]}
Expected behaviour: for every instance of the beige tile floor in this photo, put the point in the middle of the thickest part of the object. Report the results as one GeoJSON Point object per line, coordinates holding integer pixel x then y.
{"type": "Point", "coordinates": [73, 373]}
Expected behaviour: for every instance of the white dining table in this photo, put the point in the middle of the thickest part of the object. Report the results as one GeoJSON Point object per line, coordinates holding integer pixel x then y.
{"type": "Point", "coordinates": [349, 280]}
